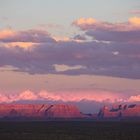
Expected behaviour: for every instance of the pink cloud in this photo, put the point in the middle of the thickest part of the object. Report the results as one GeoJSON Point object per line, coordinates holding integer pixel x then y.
{"type": "Point", "coordinates": [73, 96]}
{"type": "Point", "coordinates": [24, 39]}
{"type": "Point", "coordinates": [98, 96]}
{"type": "Point", "coordinates": [91, 23]}
{"type": "Point", "coordinates": [27, 95]}
{"type": "Point", "coordinates": [134, 98]}
{"type": "Point", "coordinates": [135, 12]}
{"type": "Point", "coordinates": [88, 21]}
{"type": "Point", "coordinates": [4, 98]}
{"type": "Point", "coordinates": [6, 33]}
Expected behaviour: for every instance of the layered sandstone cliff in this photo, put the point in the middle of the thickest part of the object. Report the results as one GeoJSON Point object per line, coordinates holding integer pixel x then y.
{"type": "Point", "coordinates": [120, 111]}
{"type": "Point", "coordinates": [39, 111]}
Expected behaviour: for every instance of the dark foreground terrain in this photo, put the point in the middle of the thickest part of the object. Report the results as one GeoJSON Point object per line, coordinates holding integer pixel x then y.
{"type": "Point", "coordinates": [72, 130]}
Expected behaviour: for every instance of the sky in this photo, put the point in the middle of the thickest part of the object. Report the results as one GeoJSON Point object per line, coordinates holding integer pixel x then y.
{"type": "Point", "coordinates": [83, 52]}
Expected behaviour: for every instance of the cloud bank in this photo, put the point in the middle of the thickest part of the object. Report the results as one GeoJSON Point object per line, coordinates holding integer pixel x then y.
{"type": "Point", "coordinates": [73, 96]}
{"type": "Point", "coordinates": [113, 50]}
{"type": "Point", "coordinates": [127, 32]}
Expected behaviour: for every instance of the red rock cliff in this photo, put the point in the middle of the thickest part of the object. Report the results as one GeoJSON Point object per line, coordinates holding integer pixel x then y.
{"type": "Point", "coordinates": [132, 110]}
{"type": "Point", "coordinates": [39, 110]}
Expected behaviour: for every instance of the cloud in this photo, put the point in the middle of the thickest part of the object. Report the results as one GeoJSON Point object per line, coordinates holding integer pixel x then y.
{"type": "Point", "coordinates": [113, 50]}
{"type": "Point", "coordinates": [70, 96]}
{"type": "Point", "coordinates": [114, 32]}
{"type": "Point", "coordinates": [89, 21]}
{"type": "Point", "coordinates": [79, 37]}
{"type": "Point", "coordinates": [73, 96]}
{"type": "Point", "coordinates": [27, 95]}
{"type": "Point", "coordinates": [93, 58]}
{"type": "Point", "coordinates": [62, 68]}
{"type": "Point", "coordinates": [135, 12]}
{"type": "Point", "coordinates": [25, 45]}
{"type": "Point", "coordinates": [130, 25]}
{"type": "Point", "coordinates": [135, 98]}
{"type": "Point", "coordinates": [6, 33]}
{"type": "Point", "coordinates": [76, 96]}
{"type": "Point", "coordinates": [4, 99]}
{"type": "Point", "coordinates": [134, 20]}
{"type": "Point", "coordinates": [116, 36]}
{"type": "Point", "coordinates": [25, 38]}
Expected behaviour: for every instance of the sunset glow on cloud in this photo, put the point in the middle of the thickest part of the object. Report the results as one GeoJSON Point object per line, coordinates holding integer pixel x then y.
{"type": "Point", "coordinates": [137, 12]}
{"type": "Point", "coordinates": [135, 20]}
{"type": "Point", "coordinates": [94, 57]}
{"type": "Point", "coordinates": [88, 21]}
{"type": "Point", "coordinates": [133, 23]}
{"type": "Point", "coordinates": [96, 97]}
{"type": "Point", "coordinates": [6, 33]}
{"type": "Point", "coordinates": [24, 39]}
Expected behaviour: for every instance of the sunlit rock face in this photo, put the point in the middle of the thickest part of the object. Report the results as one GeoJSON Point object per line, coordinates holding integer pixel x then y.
{"type": "Point", "coordinates": [120, 111]}
{"type": "Point", "coordinates": [19, 110]}
{"type": "Point", "coordinates": [39, 111]}
{"type": "Point", "coordinates": [63, 111]}
{"type": "Point", "coordinates": [133, 110]}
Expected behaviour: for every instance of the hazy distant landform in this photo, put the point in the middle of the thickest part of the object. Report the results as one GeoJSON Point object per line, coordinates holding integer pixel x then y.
{"type": "Point", "coordinates": [54, 112]}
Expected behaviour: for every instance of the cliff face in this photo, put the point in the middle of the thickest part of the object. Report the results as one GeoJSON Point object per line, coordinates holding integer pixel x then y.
{"type": "Point", "coordinates": [63, 111]}
{"type": "Point", "coordinates": [120, 111]}
{"type": "Point", "coordinates": [46, 111]}
{"type": "Point", "coordinates": [39, 111]}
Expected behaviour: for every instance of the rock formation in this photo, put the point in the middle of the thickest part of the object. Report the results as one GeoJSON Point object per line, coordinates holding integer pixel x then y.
{"type": "Point", "coordinates": [44, 111]}
{"type": "Point", "coordinates": [61, 111]}
{"type": "Point", "coordinates": [120, 111]}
